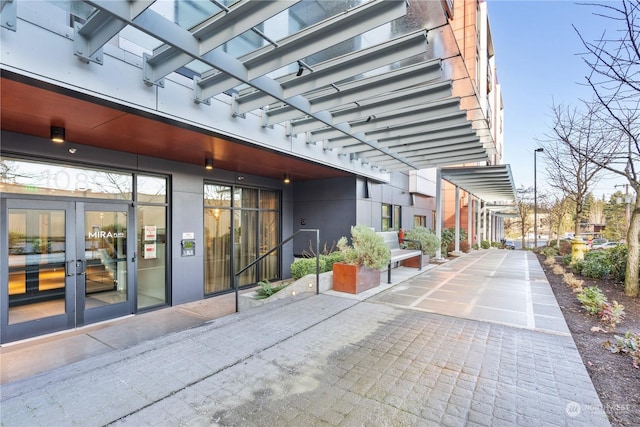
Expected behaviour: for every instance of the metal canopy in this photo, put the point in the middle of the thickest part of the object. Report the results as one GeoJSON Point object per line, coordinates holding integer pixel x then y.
{"type": "Point", "coordinates": [489, 183]}
{"type": "Point", "coordinates": [360, 81]}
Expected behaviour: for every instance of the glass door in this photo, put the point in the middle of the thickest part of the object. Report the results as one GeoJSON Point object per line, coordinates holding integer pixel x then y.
{"type": "Point", "coordinates": [67, 264]}
{"type": "Point", "coordinates": [105, 258]}
{"type": "Point", "coordinates": [38, 287]}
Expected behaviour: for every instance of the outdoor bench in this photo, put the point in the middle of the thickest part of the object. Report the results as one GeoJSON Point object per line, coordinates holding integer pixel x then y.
{"type": "Point", "coordinates": [398, 253]}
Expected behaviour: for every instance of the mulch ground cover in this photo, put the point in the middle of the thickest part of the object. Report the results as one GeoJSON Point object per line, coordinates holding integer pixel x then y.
{"type": "Point", "coordinates": [613, 375]}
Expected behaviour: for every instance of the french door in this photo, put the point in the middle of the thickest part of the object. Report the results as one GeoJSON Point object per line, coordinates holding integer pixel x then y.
{"type": "Point", "coordinates": [68, 264]}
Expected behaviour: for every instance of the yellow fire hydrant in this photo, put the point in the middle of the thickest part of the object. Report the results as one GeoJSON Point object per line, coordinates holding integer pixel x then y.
{"type": "Point", "coordinates": [578, 248]}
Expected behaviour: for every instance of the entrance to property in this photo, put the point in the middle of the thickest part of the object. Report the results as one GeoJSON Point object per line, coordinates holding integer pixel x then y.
{"type": "Point", "coordinates": [69, 263]}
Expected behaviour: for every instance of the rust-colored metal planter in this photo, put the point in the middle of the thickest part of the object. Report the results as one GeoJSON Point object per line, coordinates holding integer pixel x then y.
{"type": "Point", "coordinates": [415, 261]}
{"type": "Point", "coordinates": [354, 279]}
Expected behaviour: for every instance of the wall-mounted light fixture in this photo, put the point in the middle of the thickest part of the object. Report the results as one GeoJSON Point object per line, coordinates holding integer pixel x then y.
{"type": "Point", "coordinates": [57, 134]}
{"type": "Point", "coordinates": [208, 163]}
{"type": "Point", "coordinates": [286, 178]}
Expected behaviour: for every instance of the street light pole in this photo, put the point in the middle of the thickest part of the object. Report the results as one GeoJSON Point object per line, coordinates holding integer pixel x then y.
{"type": "Point", "coordinates": [535, 198]}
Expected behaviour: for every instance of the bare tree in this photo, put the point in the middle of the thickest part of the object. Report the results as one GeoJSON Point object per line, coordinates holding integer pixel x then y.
{"type": "Point", "coordinates": [615, 79]}
{"type": "Point", "coordinates": [568, 149]}
{"type": "Point", "coordinates": [523, 222]}
{"type": "Point", "coordinates": [558, 208]}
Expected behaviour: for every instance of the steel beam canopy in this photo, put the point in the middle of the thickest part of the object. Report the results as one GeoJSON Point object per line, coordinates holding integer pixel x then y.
{"type": "Point", "coordinates": [359, 78]}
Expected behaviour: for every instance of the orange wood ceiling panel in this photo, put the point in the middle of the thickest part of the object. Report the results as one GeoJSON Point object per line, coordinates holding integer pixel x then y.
{"type": "Point", "coordinates": [31, 110]}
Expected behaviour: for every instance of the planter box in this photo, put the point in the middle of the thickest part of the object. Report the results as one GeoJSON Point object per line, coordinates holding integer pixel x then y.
{"type": "Point", "coordinates": [415, 262]}
{"type": "Point", "coordinates": [354, 279]}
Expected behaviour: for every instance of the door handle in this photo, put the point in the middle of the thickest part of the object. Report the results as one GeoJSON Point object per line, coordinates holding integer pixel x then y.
{"type": "Point", "coordinates": [80, 270]}
{"type": "Point", "coordinates": [69, 267]}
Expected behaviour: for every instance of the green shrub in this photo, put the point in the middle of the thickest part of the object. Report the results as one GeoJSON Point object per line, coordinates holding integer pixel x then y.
{"type": "Point", "coordinates": [618, 261]}
{"type": "Point", "coordinates": [331, 258]}
{"type": "Point", "coordinates": [549, 251]}
{"type": "Point", "coordinates": [367, 248]}
{"type": "Point", "coordinates": [303, 266]}
{"type": "Point", "coordinates": [595, 269]}
{"type": "Point", "coordinates": [266, 290]}
{"type": "Point", "coordinates": [566, 259]}
{"type": "Point", "coordinates": [627, 344]}
{"type": "Point", "coordinates": [430, 242]}
{"type": "Point", "coordinates": [449, 237]}
{"type": "Point", "coordinates": [596, 265]}
{"type": "Point", "coordinates": [485, 244]}
{"type": "Point", "coordinates": [592, 299]}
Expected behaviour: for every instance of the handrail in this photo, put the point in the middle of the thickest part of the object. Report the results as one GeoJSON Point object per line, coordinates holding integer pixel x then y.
{"type": "Point", "coordinates": [279, 245]}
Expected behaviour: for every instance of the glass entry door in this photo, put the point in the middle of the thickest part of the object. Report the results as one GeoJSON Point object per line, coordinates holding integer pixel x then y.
{"type": "Point", "coordinates": [67, 264]}
{"type": "Point", "coordinates": [104, 261]}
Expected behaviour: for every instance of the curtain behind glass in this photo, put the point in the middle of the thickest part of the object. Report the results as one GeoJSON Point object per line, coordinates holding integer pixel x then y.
{"type": "Point", "coordinates": [269, 232]}
{"type": "Point", "coordinates": [217, 232]}
{"type": "Point", "coordinates": [246, 244]}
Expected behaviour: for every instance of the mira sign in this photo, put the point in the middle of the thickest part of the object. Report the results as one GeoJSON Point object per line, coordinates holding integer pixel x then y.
{"type": "Point", "coordinates": [104, 234]}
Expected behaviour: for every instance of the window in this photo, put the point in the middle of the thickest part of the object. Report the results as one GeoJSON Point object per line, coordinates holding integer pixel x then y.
{"type": "Point", "coordinates": [419, 221]}
{"type": "Point", "coordinates": [391, 217]}
{"type": "Point", "coordinates": [397, 217]}
{"type": "Point", "coordinates": [386, 217]}
{"type": "Point", "coordinates": [241, 224]}
{"type": "Point", "coordinates": [152, 240]}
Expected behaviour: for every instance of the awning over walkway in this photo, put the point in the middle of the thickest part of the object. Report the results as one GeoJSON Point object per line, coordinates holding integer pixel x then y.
{"type": "Point", "coordinates": [364, 79]}
{"type": "Point", "coordinates": [492, 184]}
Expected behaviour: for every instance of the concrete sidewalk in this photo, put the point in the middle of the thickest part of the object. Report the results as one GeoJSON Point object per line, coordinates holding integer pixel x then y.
{"type": "Point", "coordinates": [328, 359]}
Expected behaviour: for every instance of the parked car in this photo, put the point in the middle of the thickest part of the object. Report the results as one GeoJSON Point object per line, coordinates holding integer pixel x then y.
{"type": "Point", "coordinates": [605, 245]}
{"type": "Point", "coordinates": [509, 244]}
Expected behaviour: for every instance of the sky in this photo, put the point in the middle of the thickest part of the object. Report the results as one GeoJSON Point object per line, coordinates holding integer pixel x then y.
{"type": "Point", "coordinates": [538, 64]}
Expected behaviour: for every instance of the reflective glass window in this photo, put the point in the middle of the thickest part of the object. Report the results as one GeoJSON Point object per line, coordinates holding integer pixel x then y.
{"type": "Point", "coordinates": [27, 177]}
{"type": "Point", "coordinates": [151, 189]}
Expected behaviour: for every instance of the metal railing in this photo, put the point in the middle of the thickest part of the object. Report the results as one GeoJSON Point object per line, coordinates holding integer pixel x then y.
{"type": "Point", "coordinates": [261, 257]}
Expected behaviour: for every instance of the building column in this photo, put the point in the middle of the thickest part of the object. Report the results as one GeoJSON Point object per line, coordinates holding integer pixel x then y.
{"type": "Point", "coordinates": [456, 245]}
{"type": "Point", "coordinates": [469, 220]}
{"type": "Point", "coordinates": [485, 221]}
{"type": "Point", "coordinates": [478, 221]}
{"type": "Point", "coordinates": [438, 223]}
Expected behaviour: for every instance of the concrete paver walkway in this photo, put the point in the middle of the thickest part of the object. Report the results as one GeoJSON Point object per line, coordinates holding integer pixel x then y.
{"type": "Point", "coordinates": [329, 360]}
{"type": "Point", "coordinates": [497, 286]}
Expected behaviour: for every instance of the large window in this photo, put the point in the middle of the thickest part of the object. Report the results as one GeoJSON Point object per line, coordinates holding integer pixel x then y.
{"type": "Point", "coordinates": [241, 224]}
{"type": "Point", "coordinates": [57, 180]}
{"type": "Point", "coordinates": [152, 240]}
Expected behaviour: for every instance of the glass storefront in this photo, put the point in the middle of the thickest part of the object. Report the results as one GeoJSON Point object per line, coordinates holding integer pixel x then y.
{"type": "Point", "coordinates": [240, 225]}
{"type": "Point", "coordinates": [68, 259]}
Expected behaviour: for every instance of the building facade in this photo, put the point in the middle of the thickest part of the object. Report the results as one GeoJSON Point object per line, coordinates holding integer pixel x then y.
{"type": "Point", "coordinates": [152, 150]}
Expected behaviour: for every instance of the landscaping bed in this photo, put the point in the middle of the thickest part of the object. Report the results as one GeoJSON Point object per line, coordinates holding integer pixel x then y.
{"type": "Point", "coordinates": [614, 377]}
